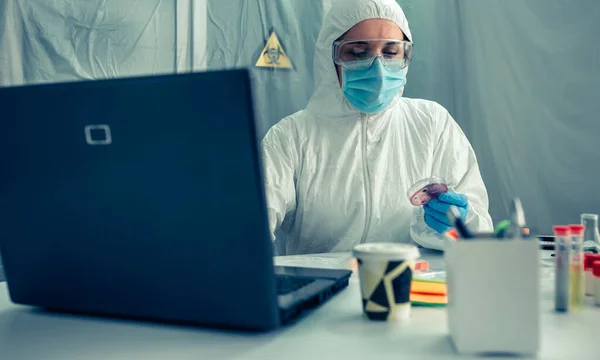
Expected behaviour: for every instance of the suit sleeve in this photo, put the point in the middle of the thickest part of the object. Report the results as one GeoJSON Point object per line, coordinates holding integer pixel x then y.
{"type": "Point", "coordinates": [455, 161]}
{"type": "Point", "coordinates": [280, 160]}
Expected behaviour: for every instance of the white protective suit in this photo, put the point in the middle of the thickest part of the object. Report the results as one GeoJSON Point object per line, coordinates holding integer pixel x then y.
{"type": "Point", "coordinates": [335, 177]}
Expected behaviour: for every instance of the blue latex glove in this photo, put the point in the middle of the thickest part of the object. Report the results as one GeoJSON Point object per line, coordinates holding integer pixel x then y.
{"type": "Point", "coordinates": [435, 210]}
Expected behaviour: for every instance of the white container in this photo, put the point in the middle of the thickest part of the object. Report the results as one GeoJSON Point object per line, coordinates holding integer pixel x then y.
{"type": "Point", "coordinates": [494, 296]}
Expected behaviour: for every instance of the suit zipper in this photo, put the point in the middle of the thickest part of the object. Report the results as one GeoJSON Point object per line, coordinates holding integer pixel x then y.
{"type": "Point", "coordinates": [367, 179]}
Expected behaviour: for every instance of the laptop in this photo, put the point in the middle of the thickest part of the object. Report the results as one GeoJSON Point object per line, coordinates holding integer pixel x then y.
{"type": "Point", "coordinates": [144, 198]}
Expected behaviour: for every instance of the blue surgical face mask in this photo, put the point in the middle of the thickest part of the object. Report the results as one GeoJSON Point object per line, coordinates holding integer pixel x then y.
{"type": "Point", "coordinates": [372, 89]}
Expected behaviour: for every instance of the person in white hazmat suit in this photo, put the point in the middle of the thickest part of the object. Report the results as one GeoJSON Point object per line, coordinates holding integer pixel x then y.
{"type": "Point", "coordinates": [337, 172]}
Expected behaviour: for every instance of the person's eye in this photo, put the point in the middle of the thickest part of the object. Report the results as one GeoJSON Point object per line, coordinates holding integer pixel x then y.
{"type": "Point", "coordinates": [392, 50]}
{"type": "Point", "coordinates": [359, 53]}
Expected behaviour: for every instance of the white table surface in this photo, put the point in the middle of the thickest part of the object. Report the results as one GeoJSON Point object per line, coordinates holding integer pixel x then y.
{"type": "Point", "coordinates": [337, 330]}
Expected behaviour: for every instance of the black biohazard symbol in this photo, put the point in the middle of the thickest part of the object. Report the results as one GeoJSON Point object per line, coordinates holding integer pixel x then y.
{"type": "Point", "coordinates": [273, 55]}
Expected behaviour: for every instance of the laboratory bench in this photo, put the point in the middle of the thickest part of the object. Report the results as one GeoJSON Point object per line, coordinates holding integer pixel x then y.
{"type": "Point", "coordinates": [336, 330]}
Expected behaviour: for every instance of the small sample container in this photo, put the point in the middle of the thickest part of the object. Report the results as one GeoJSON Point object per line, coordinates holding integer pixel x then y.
{"type": "Point", "coordinates": [588, 266]}
{"type": "Point", "coordinates": [596, 271]}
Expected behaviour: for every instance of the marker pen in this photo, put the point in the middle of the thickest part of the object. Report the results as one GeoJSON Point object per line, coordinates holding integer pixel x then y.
{"type": "Point", "coordinates": [454, 217]}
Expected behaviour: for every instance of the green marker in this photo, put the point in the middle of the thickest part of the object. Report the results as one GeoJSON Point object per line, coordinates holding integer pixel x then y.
{"type": "Point", "coordinates": [501, 228]}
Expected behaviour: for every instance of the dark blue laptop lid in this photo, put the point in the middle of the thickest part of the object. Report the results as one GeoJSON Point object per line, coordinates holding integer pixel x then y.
{"type": "Point", "coordinates": [139, 196]}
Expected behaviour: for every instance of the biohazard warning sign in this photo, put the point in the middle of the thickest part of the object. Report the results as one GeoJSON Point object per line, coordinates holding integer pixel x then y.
{"type": "Point", "coordinates": [273, 55]}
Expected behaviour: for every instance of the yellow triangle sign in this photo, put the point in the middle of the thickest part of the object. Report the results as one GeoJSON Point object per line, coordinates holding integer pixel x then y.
{"type": "Point", "coordinates": [273, 55]}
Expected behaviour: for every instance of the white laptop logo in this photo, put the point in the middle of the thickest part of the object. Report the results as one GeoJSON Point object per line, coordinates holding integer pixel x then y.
{"type": "Point", "coordinates": [98, 135]}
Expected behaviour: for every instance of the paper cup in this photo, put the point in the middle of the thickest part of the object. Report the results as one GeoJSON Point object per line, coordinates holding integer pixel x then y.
{"type": "Point", "coordinates": [385, 273]}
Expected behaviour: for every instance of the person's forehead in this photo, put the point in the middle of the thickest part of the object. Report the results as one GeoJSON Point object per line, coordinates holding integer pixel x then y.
{"type": "Point", "coordinates": [374, 29]}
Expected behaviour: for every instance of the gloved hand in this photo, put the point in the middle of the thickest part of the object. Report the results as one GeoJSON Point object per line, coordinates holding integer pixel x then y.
{"type": "Point", "coordinates": [435, 210]}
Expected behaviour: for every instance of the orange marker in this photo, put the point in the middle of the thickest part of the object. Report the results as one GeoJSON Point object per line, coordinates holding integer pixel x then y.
{"type": "Point", "coordinates": [452, 233]}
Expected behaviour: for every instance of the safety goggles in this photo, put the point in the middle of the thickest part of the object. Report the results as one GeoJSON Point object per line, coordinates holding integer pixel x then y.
{"type": "Point", "coordinates": [360, 54]}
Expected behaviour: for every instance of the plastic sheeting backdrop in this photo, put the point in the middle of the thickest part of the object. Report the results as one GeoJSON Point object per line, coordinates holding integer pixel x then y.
{"type": "Point", "coordinates": [520, 76]}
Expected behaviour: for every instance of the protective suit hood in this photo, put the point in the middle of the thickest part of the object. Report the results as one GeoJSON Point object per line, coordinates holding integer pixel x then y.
{"type": "Point", "coordinates": [342, 16]}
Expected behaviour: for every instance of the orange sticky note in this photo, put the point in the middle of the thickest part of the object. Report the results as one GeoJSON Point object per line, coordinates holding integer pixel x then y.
{"type": "Point", "coordinates": [428, 287]}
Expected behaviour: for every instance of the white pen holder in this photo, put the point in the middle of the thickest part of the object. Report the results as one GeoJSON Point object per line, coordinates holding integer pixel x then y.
{"type": "Point", "coordinates": [494, 295]}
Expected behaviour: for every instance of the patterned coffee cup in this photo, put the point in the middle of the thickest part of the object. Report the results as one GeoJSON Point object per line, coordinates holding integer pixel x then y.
{"type": "Point", "coordinates": [385, 273]}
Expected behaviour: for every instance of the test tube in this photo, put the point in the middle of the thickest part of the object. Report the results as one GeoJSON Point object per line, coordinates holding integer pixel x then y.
{"type": "Point", "coordinates": [577, 280]}
{"type": "Point", "coordinates": [562, 257]}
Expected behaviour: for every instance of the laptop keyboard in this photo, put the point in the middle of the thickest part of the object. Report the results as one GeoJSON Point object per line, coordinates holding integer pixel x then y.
{"type": "Point", "coordinates": [287, 284]}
